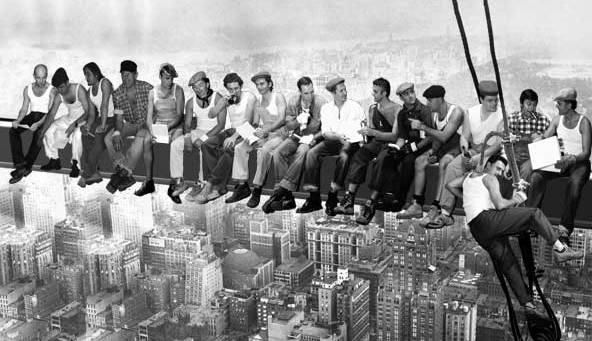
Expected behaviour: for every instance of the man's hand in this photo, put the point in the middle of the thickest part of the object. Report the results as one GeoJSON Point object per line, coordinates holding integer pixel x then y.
{"type": "Point", "coordinates": [101, 129]}
{"type": "Point", "coordinates": [565, 162]}
{"type": "Point", "coordinates": [409, 148]}
{"type": "Point", "coordinates": [475, 160]}
{"type": "Point", "coordinates": [519, 197]}
{"type": "Point", "coordinates": [84, 129]}
{"type": "Point", "coordinates": [261, 133]}
{"type": "Point", "coordinates": [15, 123]}
{"type": "Point", "coordinates": [34, 126]}
{"type": "Point", "coordinates": [117, 142]}
{"type": "Point", "coordinates": [70, 129]}
{"type": "Point", "coordinates": [367, 131]}
{"type": "Point", "coordinates": [41, 136]}
{"type": "Point", "coordinates": [230, 142]}
{"type": "Point", "coordinates": [432, 157]}
{"type": "Point", "coordinates": [188, 145]}
{"type": "Point", "coordinates": [416, 124]}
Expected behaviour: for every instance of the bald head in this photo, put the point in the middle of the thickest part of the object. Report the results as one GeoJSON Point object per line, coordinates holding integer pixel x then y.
{"type": "Point", "coordinates": [40, 74]}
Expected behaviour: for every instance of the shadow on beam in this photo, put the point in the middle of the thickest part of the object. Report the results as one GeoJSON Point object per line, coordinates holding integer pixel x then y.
{"type": "Point", "coordinates": [552, 205]}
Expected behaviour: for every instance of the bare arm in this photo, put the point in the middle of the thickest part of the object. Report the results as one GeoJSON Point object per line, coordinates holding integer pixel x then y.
{"type": "Point", "coordinates": [585, 130]}
{"type": "Point", "coordinates": [150, 113]}
{"type": "Point", "coordinates": [492, 185]}
{"type": "Point", "coordinates": [49, 118]}
{"type": "Point", "coordinates": [552, 130]}
{"type": "Point", "coordinates": [442, 136]}
{"type": "Point", "coordinates": [465, 137]}
{"type": "Point", "coordinates": [221, 120]}
{"type": "Point", "coordinates": [496, 146]}
{"type": "Point", "coordinates": [188, 116]}
{"type": "Point", "coordinates": [219, 108]}
{"type": "Point", "coordinates": [24, 107]}
{"type": "Point", "coordinates": [106, 90]}
{"type": "Point", "coordinates": [455, 186]}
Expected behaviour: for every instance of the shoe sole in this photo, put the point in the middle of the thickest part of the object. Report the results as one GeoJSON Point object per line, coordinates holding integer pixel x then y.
{"type": "Point", "coordinates": [14, 180]}
{"type": "Point", "coordinates": [94, 181]}
{"type": "Point", "coordinates": [252, 205]}
{"type": "Point", "coordinates": [111, 189]}
{"type": "Point", "coordinates": [309, 210]}
{"type": "Point", "coordinates": [237, 199]}
{"type": "Point", "coordinates": [125, 186]}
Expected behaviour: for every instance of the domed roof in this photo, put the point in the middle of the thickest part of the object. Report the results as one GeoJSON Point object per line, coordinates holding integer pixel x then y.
{"type": "Point", "coordinates": [241, 260]}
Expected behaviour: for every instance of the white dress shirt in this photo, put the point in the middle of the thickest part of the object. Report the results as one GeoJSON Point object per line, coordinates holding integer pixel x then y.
{"type": "Point", "coordinates": [345, 121]}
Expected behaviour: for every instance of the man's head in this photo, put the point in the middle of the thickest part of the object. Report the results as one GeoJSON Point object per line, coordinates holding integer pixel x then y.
{"type": "Point", "coordinates": [488, 92]}
{"type": "Point", "coordinates": [528, 101]}
{"type": "Point", "coordinates": [567, 99]}
{"type": "Point", "coordinates": [495, 165]}
{"type": "Point", "coordinates": [435, 97]}
{"type": "Point", "coordinates": [336, 87]}
{"type": "Point", "coordinates": [167, 75]}
{"type": "Point", "coordinates": [40, 74]}
{"type": "Point", "coordinates": [306, 89]}
{"type": "Point", "coordinates": [200, 83]}
{"type": "Point", "coordinates": [234, 84]}
{"type": "Point", "coordinates": [92, 73]}
{"type": "Point", "coordinates": [406, 93]}
{"type": "Point", "coordinates": [381, 88]}
{"type": "Point", "coordinates": [129, 73]}
{"type": "Point", "coordinates": [60, 81]}
{"type": "Point", "coordinates": [263, 82]}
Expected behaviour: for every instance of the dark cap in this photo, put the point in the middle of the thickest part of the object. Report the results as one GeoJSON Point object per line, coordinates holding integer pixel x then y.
{"type": "Point", "coordinates": [262, 74]}
{"type": "Point", "coordinates": [488, 88]}
{"type": "Point", "coordinates": [332, 84]}
{"type": "Point", "coordinates": [434, 91]}
{"type": "Point", "coordinates": [59, 77]}
{"type": "Point", "coordinates": [128, 65]}
{"type": "Point", "coordinates": [200, 75]}
{"type": "Point", "coordinates": [404, 87]}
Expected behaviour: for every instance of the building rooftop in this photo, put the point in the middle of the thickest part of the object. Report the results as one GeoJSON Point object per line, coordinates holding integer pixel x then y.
{"type": "Point", "coordinates": [243, 260]}
{"type": "Point", "coordinates": [154, 319]}
{"type": "Point", "coordinates": [294, 264]}
{"type": "Point", "coordinates": [68, 310]}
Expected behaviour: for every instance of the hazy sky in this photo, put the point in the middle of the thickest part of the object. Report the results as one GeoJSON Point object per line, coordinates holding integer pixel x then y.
{"type": "Point", "coordinates": [257, 24]}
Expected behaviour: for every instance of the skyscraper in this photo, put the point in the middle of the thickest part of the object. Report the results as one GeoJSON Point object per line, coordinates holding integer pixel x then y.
{"type": "Point", "coordinates": [460, 321]}
{"type": "Point", "coordinates": [131, 217]}
{"type": "Point", "coordinates": [203, 279]}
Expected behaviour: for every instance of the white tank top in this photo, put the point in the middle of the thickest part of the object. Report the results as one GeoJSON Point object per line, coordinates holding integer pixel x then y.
{"type": "Point", "coordinates": [442, 124]}
{"type": "Point", "coordinates": [98, 99]}
{"type": "Point", "coordinates": [204, 123]}
{"type": "Point", "coordinates": [476, 197]}
{"type": "Point", "coordinates": [38, 103]}
{"type": "Point", "coordinates": [236, 112]}
{"type": "Point", "coordinates": [572, 138]}
{"type": "Point", "coordinates": [480, 129]}
{"type": "Point", "coordinates": [75, 110]}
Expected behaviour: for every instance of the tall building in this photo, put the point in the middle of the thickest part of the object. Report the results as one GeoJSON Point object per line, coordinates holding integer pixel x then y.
{"type": "Point", "coordinates": [44, 201]}
{"type": "Point", "coordinates": [203, 279]}
{"type": "Point", "coordinates": [70, 281]}
{"type": "Point", "coordinates": [291, 222]}
{"type": "Point", "coordinates": [131, 217]}
{"type": "Point", "coordinates": [7, 211]}
{"type": "Point", "coordinates": [70, 237]}
{"type": "Point", "coordinates": [22, 254]}
{"type": "Point", "coordinates": [388, 314]}
{"type": "Point", "coordinates": [335, 242]}
{"type": "Point", "coordinates": [242, 216]}
{"type": "Point", "coordinates": [269, 242]}
{"type": "Point", "coordinates": [216, 212]}
{"type": "Point", "coordinates": [130, 312]}
{"type": "Point", "coordinates": [460, 321]}
{"type": "Point", "coordinates": [43, 254]}
{"type": "Point", "coordinates": [12, 304]}
{"type": "Point", "coordinates": [157, 288]}
{"type": "Point", "coordinates": [242, 312]}
{"type": "Point", "coordinates": [296, 272]}
{"type": "Point", "coordinates": [112, 263]}
{"type": "Point", "coordinates": [168, 250]}
{"type": "Point", "coordinates": [153, 328]}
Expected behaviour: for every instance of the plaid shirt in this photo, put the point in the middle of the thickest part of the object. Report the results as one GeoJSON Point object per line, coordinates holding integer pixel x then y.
{"type": "Point", "coordinates": [524, 125]}
{"type": "Point", "coordinates": [123, 106]}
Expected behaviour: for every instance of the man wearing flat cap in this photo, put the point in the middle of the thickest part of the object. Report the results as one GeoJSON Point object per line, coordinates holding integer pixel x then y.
{"type": "Point", "coordinates": [573, 129]}
{"type": "Point", "coordinates": [409, 143]}
{"type": "Point", "coordinates": [303, 119]}
{"type": "Point", "coordinates": [382, 115]}
{"type": "Point", "coordinates": [130, 102]}
{"type": "Point", "coordinates": [198, 107]}
{"type": "Point", "coordinates": [270, 114]}
{"type": "Point", "coordinates": [445, 134]}
{"type": "Point", "coordinates": [478, 121]}
{"type": "Point", "coordinates": [66, 129]}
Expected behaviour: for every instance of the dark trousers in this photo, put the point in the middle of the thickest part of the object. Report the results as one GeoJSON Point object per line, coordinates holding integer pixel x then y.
{"type": "Point", "coordinates": [492, 228]}
{"type": "Point", "coordinates": [406, 175]}
{"type": "Point", "coordinates": [94, 147]}
{"type": "Point", "coordinates": [16, 143]}
{"type": "Point", "coordinates": [311, 177]}
{"type": "Point", "coordinates": [578, 174]}
{"type": "Point", "coordinates": [217, 162]}
{"type": "Point", "coordinates": [361, 160]}
{"type": "Point", "coordinates": [288, 160]}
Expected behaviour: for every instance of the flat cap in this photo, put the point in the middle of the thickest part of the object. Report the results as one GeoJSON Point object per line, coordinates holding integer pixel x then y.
{"type": "Point", "coordinates": [59, 77]}
{"type": "Point", "coordinates": [567, 94]}
{"type": "Point", "coordinates": [332, 84]}
{"type": "Point", "coordinates": [404, 87]}
{"type": "Point", "coordinates": [197, 77]}
{"type": "Point", "coordinates": [128, 65]}
{"type": "Point", "coordinates": [261, 74]}
{"type": "Point", "coordinates": [434, 91]}
{"type": "Point", "coordinates": [488, 88]}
